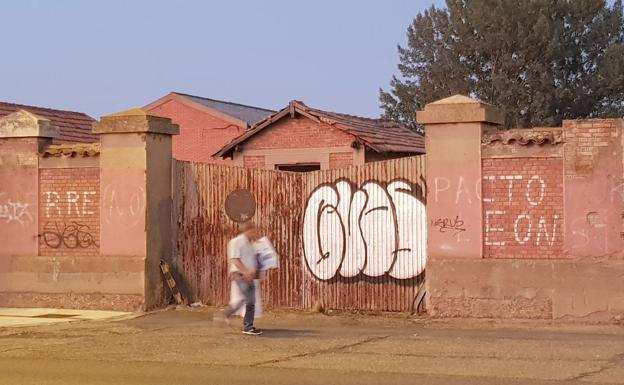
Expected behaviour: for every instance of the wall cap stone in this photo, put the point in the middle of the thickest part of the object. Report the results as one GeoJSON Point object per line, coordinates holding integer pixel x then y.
{"type": "Point", "coordinates": [459, 109]}
{"type": "Point", "coordinates": [24, 124]}
{"type": "Point", "coordinates": [135, 120]}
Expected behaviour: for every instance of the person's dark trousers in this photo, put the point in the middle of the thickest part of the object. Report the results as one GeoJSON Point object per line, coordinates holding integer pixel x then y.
{"type": "Point", "coordinates": [249, 300]}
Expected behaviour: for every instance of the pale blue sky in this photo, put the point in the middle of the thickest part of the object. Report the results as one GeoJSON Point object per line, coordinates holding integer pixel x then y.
{"type": "Point", "coordinates": [104, 56]}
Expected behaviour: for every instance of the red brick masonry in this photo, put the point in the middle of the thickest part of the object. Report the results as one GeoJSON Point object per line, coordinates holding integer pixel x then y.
{"type": "Point", "coordinates": [523, 208]}
{"type": "Point", "coordinates": [69, 211]}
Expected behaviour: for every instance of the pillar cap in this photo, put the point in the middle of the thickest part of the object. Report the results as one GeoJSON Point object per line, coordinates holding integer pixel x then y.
{"type": "Point", "coordinates": [135, 120]}
{"type": "Point", "coordinates": [459, 109]}
{"type": "Point", "coordinates": [24, 124]}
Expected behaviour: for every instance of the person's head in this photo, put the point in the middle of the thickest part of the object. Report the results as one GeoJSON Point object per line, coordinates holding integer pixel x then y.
{"type": "Point", "coordinates": [250, 230]}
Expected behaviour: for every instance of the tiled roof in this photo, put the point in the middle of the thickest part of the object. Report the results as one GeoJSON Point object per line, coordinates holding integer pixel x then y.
{"type": "Point", "coordinates": [73, 150]}
{"type": "Point", "coordinates": [243, 112]}
{"type": "Point", "coordinates": [525, 136]}
{"type": "Point", "coordinates": [74, 127]}
{"type": "Point", "coordinates": [380, 135]}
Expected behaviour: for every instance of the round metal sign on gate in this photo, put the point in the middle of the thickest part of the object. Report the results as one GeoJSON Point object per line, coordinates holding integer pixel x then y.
{"type": "Point", "coordinates": [240, 205]}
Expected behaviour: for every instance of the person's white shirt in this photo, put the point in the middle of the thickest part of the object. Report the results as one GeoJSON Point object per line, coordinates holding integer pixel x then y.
{"type": "Point", "coordinates": [241, 248]}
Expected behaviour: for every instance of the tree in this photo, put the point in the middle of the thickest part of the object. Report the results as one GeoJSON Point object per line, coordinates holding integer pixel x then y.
{"type": "Point", "coordinates": [541, 60]}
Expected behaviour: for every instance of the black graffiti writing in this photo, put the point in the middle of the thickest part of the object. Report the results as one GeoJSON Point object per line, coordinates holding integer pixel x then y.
{"type": "Point", "coordinates": [72, 236]}
{"type": "Point", "coordinates": [456, 225]}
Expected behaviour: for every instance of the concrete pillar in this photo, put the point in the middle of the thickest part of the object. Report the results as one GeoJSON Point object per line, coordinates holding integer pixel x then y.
{"type": "Point", "coordinates": [136, 191]}
{"type": "Point", "coordinates": [22, 137]}
{"type": "Point", "coordinates": [453, 128]}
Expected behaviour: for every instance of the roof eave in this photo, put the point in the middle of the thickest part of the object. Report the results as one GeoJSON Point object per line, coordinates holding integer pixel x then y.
{"type": "Point", "coordinates": [225, 150]}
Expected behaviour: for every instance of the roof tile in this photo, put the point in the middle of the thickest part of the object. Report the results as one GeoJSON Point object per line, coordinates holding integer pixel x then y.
{"type": "Point", "coordinates": [74, 127]}
{"type": "Point", "coordinates": [524, 136]}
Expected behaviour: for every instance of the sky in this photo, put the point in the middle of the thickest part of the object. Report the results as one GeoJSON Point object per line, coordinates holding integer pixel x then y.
{"type": "Point", "coordinates": [101, 57]}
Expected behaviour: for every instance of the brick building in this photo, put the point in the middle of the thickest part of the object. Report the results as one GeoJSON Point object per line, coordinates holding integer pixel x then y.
{"type": "Point", "coordinates": [205, 124]}
{"type": "Point", "coordinates": [74, 127]}
{"type": "Point", "coordinates": [329, 140]}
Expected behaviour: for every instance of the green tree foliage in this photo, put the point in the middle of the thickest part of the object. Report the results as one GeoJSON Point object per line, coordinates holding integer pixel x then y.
{"type": "Point", "coordinates": [541, 60]}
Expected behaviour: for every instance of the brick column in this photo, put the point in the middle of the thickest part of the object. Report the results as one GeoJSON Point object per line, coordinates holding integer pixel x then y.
{"type": "Point", "coordinates": [136, 194]}
{"type": "Point", "coordinates": [453, 128]}
{"type": "Point", "coordinates": [22, 136]}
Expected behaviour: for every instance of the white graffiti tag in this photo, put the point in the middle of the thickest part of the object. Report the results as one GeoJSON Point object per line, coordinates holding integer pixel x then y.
{"type": "Point", "coordinates": [15, 212]}
{"type": "Point", "coordinates": [372, 231]}
{"type": "Point", "coordinates": [528, 228]}
{"type": "Point", "coordinates": [124, 205]}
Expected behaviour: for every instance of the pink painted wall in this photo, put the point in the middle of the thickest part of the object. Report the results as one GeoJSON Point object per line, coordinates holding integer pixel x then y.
{"type": "Point", "coordinates": [550, 204]}
{"type": "Point", "coordinates": [18, 196]}
{"type": "Point", "coordinates": [108, 257]}
{"type": "Point", "coordinates": [594, 188]}
{"type": "Point", "coordinates": [454, 190]}
{"type": "Point", "coordinates": [540, 193]}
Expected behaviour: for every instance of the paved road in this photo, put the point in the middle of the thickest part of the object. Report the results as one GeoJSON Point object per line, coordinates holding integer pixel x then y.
{"type": "Point", "coordinates": [183, 347]}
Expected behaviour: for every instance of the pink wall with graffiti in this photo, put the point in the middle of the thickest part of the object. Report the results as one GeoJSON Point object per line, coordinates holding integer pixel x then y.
{"type": "Point", "coordinates": [523, 223]}
{"type": "Point", "coordinates": [18, 195]}
{"type": "Point", "coordinates": [77, 227]}
{"type": "Point", "coordinates": [554, 193]}
{"type": "Point", "coordinates": [527, 193]}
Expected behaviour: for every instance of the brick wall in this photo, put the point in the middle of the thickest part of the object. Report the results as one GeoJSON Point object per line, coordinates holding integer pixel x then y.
{"type": "Point", "coordinates": [300, 132]}
{"type": "Point", "coordinates": [523, 207]}
{"type": "Point", "coordinates": [201, 134]}
{"type": "Point", "coordinates": [69, 211]}
{"type": "Point", "coordinates": [254, 161]}
{"type": "Point", "coordinates": [340, 159]}
{"type": "Point", "coordinates": [585, 141]}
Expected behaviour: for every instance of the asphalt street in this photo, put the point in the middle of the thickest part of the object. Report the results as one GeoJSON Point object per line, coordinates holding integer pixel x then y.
{"type": "Point", "coordinates": [187, 347]}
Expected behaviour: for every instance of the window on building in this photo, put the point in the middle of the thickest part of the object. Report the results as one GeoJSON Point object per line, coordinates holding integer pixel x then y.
{"type": "Point", "coordinates": [299, 167]}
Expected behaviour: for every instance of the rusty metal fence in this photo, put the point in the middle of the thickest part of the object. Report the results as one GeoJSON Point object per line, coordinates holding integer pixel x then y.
{"type": "Point", "coordinates": [351, 238]}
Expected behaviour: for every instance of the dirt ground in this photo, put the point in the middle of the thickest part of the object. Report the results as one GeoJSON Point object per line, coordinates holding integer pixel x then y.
{"type": "Point", "coordinates": [187, 347]}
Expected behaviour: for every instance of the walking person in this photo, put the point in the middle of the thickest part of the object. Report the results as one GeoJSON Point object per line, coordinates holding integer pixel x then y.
{"type": "Point", "coordinates": [243, 269]}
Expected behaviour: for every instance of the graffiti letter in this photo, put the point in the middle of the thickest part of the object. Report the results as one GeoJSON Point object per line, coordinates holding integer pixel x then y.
{"type": "Point", "coordinates": [525, 239]}
{"type": "Point", "coordinates": [461, 188]}
{"type": "Point", "coordinates": [379, 230]}
{"type": "Point", "coordinates": [541, 228]}
{"type": "Point", "coordinates": [489, 229]}
{"type": "Point", "coordinates": [72, 198]}
{"type": "Point", "coordinates": [411, 253]}
{"type": "Point", "coordinates": [492, 179]}
{"type": "Point", "coordinates": [350, 207]}
{"type": "Point", "coordinates": [52, 204]}
{"type": "Point", "coordinates": [541, 193]}
{"type": "Point", "coordinates": [323, 233]}
{"type": "Point", "coordinates": [439, 189]}
{"type": "Point", "coordinates": [85, 201]}
{"type": "Point", "coordinates": [510, 178]}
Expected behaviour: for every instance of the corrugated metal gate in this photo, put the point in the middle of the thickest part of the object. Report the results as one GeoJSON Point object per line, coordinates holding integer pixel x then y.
{"type": "Point", "coordinates": [352, 238]}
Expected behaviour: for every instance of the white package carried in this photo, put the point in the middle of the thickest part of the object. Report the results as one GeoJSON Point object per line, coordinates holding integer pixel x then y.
{"type": "Point", "coordinates": [267, 256]}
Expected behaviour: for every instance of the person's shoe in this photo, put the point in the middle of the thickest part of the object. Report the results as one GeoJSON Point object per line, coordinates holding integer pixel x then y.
{"type": "Point", "coordinates": [252, 331]}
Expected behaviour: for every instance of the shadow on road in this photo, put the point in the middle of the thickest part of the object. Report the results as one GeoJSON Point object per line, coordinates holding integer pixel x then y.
{"type": "Point", "coordinates": [283, 333]}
